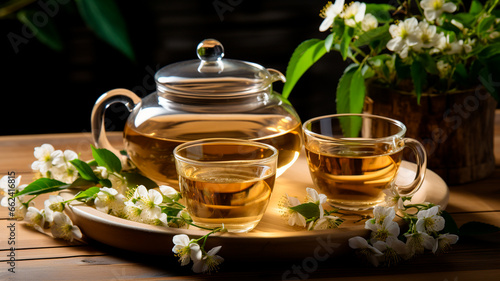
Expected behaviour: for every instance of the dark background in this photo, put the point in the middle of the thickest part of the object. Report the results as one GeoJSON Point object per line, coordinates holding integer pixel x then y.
{"type": "Point", "coordinates": [45, 91]}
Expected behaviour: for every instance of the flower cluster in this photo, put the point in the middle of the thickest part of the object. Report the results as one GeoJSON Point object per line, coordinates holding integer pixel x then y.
{"type": "Point", "coordinates": [156, 207]}
{"type": "Point", "coordinates": [51, 216]}
{"type": "Point", "coordinates": [387, 247]}
{"type": "Point", "coordinates": [55, 164]}
{"type": "Point", "coordinates": [426, 46]}
{"type": "Point", "coordinates": [353, 15]}
{"type": "Point", "coordinates": [310, 214]}
{"type": "Point", "coordinates": [190, 250]}
{"type": "Point", "coordinates": [104, 184]}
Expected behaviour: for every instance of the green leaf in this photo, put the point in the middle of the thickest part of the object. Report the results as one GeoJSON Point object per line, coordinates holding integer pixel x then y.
{"type": "Point", "coordinates": [105, 182]}
{"type": "Point", "coordinates": [84, 170]}
{"type": "Point", "coordinates": [485, 24]}
{"type": "Point", "coordinates": [489, 51]}
{"type": "Point", "coordinates": [477, 228]}
{"type": "Point", "coordinates": [107, 159]}
{"type": "Point", "coordinates": [81, 183]}
{"type": "Point", "coordinates": [304, 56]}
{"type": "Point", "coordinates": [104, 18]}
{"type": "Point", "coordinates": [350, 99]}
{"type": "Point", "coordinates": [346, 41]}
{"type": "Point", "coordinates": [379, 62]}
{"type": "Point", "coordinates": [46, 33]}
{"type": "Point", "coordinates": [41, 186]}
{"type": "Point", "coordinates": [464, 18]}
{"type": "Point", "coordinates": [308, 210]}
{"type": "Point", "coordinates": [418, 76]}
{"type": "Point", "coordinates": [475, 7]}
{"type": "Point", "coordinates": [343, 90]}
{"type": "Point", "coordinates": [378, 33]}
{"type": "Point", "coordinates": [380, 11]}
{"type": "Point", "coordinates": [403, 70]}
{"type": "Point", "coordinates": [89, 193]}
{"type": "Point", "coordinates": [428, 63]}
{"type": "Point", "coordinates": [460, 75]}
{"type": "Point", "coordinates": [450, 225]}
{"type": "Point", "coordinates": [135, 179]}
{"type": "Point", "coordinates": [357, 92]}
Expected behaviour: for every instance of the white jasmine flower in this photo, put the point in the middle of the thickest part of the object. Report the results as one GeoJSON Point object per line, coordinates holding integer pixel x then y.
{"type": "Point", "coordinates": [329, 13]}
{"type": "Point", "coordinates": [63, 227]}
{"type": "Point", "coordinates": [319, 199]}
{"type": "Point", "coordinates": [293, 217]}
{"type": "Point", "coordinates": [66, 173]}
{"type": "Point", "coordinates": [45, 155]}
{"type": "Point", "coordinates": [434, 8]}
{"type": "Point", "coordinates": [132, 211]}
{"type": "Point", "coordinates": [149, 202]}
{"type": "Point", "coordinates": [443, 242]}
{"type": "Point", "coordinates": [403, 36]}
{"type": "Point", "coordinates": [169, 192]}
{"type": "Point", "coordinates": [64, 158]}
{"type": "Point", "coordinates": [369, 22]}
{"type": "Point", "coordinates": [35, 219]}
{"type": "Point", "coordinates": [394, 250]}
{"type": "Point", "coordinates": [20, 207]}
{"type": "Point", "coordinates": [419, 241]}
{"type": "Point", "coordinates": [458, 24]}
{"type": "Point", "coordinates": [450, 48]}
{"type": "Point", "coordinates": [393, 199]}
{"type": "Point", "coordinates": [354, 14]}
{"type": "Point", "coordinates": [427, 36]}
{"type": "Point", "coordinates": [51, 205]}
{"type": "Point", "coordinates": [118, 182]}
{"type": "Point", "coordinates": [468, 45]}
{"type": "Point", "coordinates": [326, 222]}
{"type": "Point", "coordinates": [365, 250]}
{"type": "Point", "coordinates": [101, 172]}
{"type": "Point", "coordinates": [5, 188]}
{"type": "Point", "coordinates": [429, 221]}
{"type": "Point", "coordinates": [185, 249]}
{"type": "Point", "coordinates": [178, 222]}
{"type": "Point", "coordinates": [381, 215]}
{"type": "Point", "coordinates": [444, 69]}
{"type": "Point", "coordinates": [209, 262]}
{"type": "Point", "coordinates": [494, 34]}
{"type": "Point", "coordinates": [109, 201]}
{"type": "Point", "coordinates": [382, 226]}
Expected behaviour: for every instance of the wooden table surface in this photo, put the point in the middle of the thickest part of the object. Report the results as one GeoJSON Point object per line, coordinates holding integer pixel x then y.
{"type": "Point", "coordinates": [41, 257]}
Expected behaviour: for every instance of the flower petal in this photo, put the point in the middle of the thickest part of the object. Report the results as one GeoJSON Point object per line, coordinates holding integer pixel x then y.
{"type": "Point", "coordinates": [358, 242]}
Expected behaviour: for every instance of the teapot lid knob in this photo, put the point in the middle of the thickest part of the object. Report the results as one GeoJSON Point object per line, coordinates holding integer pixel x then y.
{"type": "Point", "coordinates": [210, 50]}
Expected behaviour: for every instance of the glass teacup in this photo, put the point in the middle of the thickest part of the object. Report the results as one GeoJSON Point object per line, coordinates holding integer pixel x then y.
{"type": "Point", "coordinates": [226, 181]}
{"type": "Point", "coordinates": [353, 158]}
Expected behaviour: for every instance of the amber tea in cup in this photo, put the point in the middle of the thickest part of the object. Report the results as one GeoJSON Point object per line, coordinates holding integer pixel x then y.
{"type": "Point", "coordinates": [353, 158]}
{"type": "Point", "coordinates": [226, 181]}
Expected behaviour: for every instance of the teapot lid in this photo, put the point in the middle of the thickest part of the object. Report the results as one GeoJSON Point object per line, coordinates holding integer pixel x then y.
{"type": "Point", "coordinates": [213, 76]}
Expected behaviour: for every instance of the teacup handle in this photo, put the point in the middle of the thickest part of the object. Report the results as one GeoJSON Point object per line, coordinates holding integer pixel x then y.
{"type": "Point", "coordinates": [421, 161]}
{"type": "Point", "coordinates": [124, 96]}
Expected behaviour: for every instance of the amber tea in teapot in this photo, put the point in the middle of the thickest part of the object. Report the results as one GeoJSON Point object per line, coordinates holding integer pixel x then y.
{"type": "Point", "coordinates": [150, 146]}
{"type": "Point", "coordinates": [207, 98]}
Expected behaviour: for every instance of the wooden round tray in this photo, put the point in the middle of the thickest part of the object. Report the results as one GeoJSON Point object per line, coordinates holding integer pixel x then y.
{"type": "Point", "coordinates": [272, 238]}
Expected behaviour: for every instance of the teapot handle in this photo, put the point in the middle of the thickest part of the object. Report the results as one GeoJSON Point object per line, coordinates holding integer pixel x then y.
{"type": "Point", "coordinates": [124, 96]}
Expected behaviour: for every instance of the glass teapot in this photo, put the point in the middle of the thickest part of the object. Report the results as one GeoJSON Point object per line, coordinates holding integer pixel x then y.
{"type": "Point", "coordinates": [211, 97]}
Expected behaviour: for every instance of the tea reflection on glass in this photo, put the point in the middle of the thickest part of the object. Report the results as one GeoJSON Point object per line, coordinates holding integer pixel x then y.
{"type": "Point", "coordinates": [226, 181]}
{"type": "Point", "coordinates": [353, 158]}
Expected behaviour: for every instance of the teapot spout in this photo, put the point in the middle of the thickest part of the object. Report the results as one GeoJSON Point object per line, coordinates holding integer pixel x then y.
{"type": "Point", "coordinates": [276, 75]}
